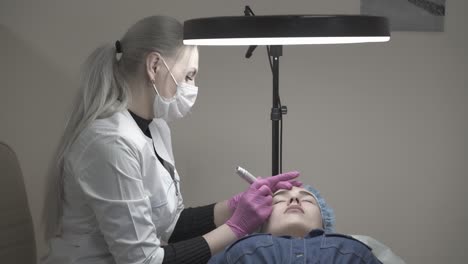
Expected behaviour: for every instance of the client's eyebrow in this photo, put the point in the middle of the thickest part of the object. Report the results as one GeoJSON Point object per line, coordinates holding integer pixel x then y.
{"type": "Point", "coordinates": [280, 192]}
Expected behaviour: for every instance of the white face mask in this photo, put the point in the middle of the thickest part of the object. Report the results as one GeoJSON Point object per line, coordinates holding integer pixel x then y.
{"type": "Point", "coordinates": [179, 105]}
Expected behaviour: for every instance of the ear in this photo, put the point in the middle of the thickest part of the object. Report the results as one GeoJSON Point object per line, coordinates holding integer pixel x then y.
{"type": "Point", "coordinates": [152, 64]}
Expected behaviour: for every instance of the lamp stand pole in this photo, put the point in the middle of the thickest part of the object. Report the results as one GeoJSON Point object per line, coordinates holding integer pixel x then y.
{"type": "Point", "coordinates": [277, 111]}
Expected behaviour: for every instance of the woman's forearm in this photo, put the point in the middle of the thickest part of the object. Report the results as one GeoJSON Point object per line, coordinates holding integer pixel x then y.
{"type": "Point", "coordinates": [221, 213]}
{"type": "Point", "coordinates": [219, 238]}
{"type": "Point", "coordinates": [222, 236]}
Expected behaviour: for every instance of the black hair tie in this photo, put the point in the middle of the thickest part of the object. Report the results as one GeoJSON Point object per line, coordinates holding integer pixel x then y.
{"type": "Point", "coordinates": [118, 47]}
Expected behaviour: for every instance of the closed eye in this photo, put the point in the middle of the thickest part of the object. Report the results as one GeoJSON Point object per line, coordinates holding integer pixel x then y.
{"type": "Point", "coordinates": [191, 75]}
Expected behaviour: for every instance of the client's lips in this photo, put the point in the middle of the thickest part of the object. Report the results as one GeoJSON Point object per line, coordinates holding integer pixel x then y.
{"type": "Point", "coordinates": [296, 207]}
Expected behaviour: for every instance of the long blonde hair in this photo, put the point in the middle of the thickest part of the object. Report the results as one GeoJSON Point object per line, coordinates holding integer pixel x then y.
{"type": "Point", "coordinates": [104, 91]}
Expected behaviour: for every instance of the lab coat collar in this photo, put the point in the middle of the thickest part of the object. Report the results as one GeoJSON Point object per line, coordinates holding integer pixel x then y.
{"type": "Point", "coordinates": [162, 139]}
{"type": "Point", "coordinates": [141, 122]}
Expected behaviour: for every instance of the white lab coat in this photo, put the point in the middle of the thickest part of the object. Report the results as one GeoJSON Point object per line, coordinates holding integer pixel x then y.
{"type": "Point", "coordinates": [120, 202]}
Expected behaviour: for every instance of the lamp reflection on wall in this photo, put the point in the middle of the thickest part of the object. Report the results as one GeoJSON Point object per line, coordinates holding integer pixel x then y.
{"type": "Point", "coordinates": [276, 31]}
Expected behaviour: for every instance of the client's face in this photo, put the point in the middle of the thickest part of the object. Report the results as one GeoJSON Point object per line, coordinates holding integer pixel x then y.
{"type": "Point", "coordinates": [295, 213]}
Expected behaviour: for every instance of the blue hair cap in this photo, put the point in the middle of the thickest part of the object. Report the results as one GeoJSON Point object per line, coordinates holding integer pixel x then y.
{"type": "Point", "coordinates": [328, 215]}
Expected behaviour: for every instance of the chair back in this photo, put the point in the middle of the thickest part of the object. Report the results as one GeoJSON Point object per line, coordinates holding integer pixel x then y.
{"type": "Point", "coordinates": [17, 244]}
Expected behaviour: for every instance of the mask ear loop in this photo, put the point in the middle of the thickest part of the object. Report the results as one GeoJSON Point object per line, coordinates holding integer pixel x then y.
{"type": "Point", "coordinates": [167, 67]}
{"type": "Point", "coordinates": [154, 86]}
{"type": "Point", "coordinates": [157, 93]}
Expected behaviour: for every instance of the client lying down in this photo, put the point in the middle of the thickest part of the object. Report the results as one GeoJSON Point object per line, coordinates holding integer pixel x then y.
{"type": "Point", "coordinates": [300, 230]}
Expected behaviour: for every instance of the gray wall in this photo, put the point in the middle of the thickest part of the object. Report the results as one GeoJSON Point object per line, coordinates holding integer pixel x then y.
{"type": "Point", "coordinates": [380, 129]}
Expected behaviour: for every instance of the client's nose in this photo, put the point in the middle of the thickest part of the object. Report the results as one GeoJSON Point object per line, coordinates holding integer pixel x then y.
{"type": "Point", "coordinates": [294, 199]}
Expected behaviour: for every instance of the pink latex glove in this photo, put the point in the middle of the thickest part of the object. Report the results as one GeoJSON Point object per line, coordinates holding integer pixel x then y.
{"type": "Point", "coordinates": [285, 183]}
{"type": "Point", "coordinates": [253, 209]}
{"type": "Point", "coordinates": [254, 205]}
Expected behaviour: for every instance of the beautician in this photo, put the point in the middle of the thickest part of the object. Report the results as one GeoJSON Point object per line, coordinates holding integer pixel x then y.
{"type": "Point", "coordinates": [114, 191]}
